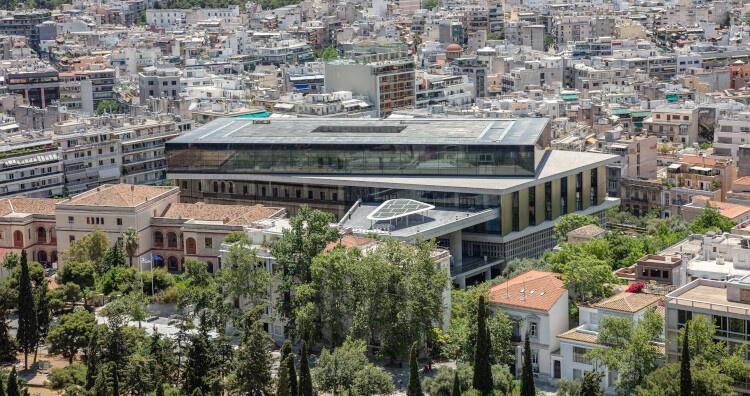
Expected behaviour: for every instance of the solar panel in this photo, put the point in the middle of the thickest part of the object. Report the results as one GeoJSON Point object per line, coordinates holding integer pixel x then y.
{"type": "Point", "coordinates": [396, 208]}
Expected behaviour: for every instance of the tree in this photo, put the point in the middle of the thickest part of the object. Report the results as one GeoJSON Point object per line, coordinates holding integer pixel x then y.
{"type": "Point", "coordinates": [283, 387]}
{"type": "Point", "coordinates": [591, 384]}
{"type": "Point", "coordinates": [456, 391]}
{"type": "Point", "coordinates": [335, 370]}
{"type": "Point", "coordinates": [587, 277]}
{"type": "Point", "coordinates": [328, 53]}
{"type": "Point", "coordinates": [415, 387]}
{"type": "Point", "coordinates": [241, 278]}
{"type": "Point", "coordinates": [91, 247]}
{"type": "Point", "coordinates": [286, 351]}
{"type": "Point", "coordinates": [308, 234]}
{"type": "Point", "coordinates": [709, 219]}
{"type": "Point", "coordinates": [430, 4]}
{"type": "Point", "coordinates": [8, 345]}
{"type": "Point", "coordinates": [198, 365]}
{"type": "Point", "coordinates": [570, 222]}
{"type": "Point", "coordinates": [28, 331]}
{"type": "Point", "coordinates": [707, 380]}
{"type": "Point", "coordinates": [527, 373]}
{"type": "Point", "coordinates": [114, 257]}
{"type": "Point", "coordinates": [629, 348]}
{"type": "Point", "coordinates": [686, 381]}
{"type": "Point", "coordinates": [43, 315]}
{"type": "Point", "coordinates": [12, 387]}
{"type": "Point", "coordinates": [482, 366]}
{"type": "Point", "coordinates": [81, 273]}
{"type": "Point", "coordinates": [372, 380]}
{"type": "Point", "coordinates": [131, 239]}
{"type": "Point", "coordinates": [305, 387]}
{"type": "Point", "coordinates": [252, 366]}
{"type": "Point", "coordinates": [107, 106]}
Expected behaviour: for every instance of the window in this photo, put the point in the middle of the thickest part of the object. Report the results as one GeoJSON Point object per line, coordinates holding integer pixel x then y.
{"type": "Point", "coordinates": [70, 219]}
{"type": "Point", "coordinates": [71, 238]}
{"type": "Point", "coordinates": [208, 243]}
{"type": "Point", "coordinates": [322, 195]}
{"type": "Point", "coordinates": [579, 355]}
{"type": "Point", "coordinates": [119, 221]}
{"type": "Point", "coordinates": [309, 194]}
{"type": "Point", "coordinates": [532, 329]}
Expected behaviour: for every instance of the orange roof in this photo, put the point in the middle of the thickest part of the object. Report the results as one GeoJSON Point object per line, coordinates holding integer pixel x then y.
{"type": "Point", "coordinates": [536, 290]}
{"type": "Point", "coordinates": [588, 337]}
{"type": "Point", "coordinates": [28, 205]}
{"type": "Point", "coordinates": [692, 159]}
{"type": "Point", "coordinates": [628, 302]}
{"type": "Point", "coordinates": [726, 209]}
{"type": "Point", "coordinates": [349, 241]}
{"type": "Point", "coordinates": [743, 180]}
{"type": "Point", "coordinates": [122, 195]}
{"type": "Point", "coordinates": [228, 214]}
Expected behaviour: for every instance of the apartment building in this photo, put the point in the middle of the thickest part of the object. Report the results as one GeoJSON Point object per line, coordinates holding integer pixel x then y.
{"type": "Point", "coordinates": [676, 125]}
{"type": "Point", "coordinates": [637, 159]}
{"type": "Point", "coordinates": [731, 133]}
{"type": "Point", "coordinates": [76, 92]}
{"type": "Point", "coordinates": [162, 81]}
{"type": "Point", "coordinates": [102, 80]}
{"type": "Point", "coordinates": [142, 149]}
{"type": "Point", "coordinates": [724, 303]}
{"type": "Point", "coordinates": [576, 343]}
{"type": "Point", "coordinates": [90, 156]}
{"type": "Point", "coordinates": [698, 176]}
{"type": "Point", "coordinates": [30, 165]}
{"type": "Point", "coordinates": [39, 86]}
{"type": "Point", "coordinates": [477, 69]}
{"type": "Point", "coordinates": [387, 80]}
{"type": "Point", "coordinates": [537, 303]}
{"type": "Point", "coordinates": [454, 91]}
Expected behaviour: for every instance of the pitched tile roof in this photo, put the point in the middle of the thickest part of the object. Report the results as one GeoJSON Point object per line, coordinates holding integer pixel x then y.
{"type": "Point", "coordinates": [536, 290]}
{"type": "Point", "coordinates": [122, 195]}
{"type": "Point", "coordinates": [589, 230]}
{"type": "Point", "coordinates": [578, 335]}
{"type": "Point", "coordinates": [28, 205]}
{"type": "Point", "coordinates": [349, 241]}
{"type": "Point", "coordinates": [227, 214]}
{"type": "Point", "coordinates": [628, 302]}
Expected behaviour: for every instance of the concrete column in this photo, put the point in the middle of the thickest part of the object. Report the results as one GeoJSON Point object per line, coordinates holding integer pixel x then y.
{"type": "Point", "coordinates": [523, 208]}
{"type": "Point", "coordinates": [487, 275]}
{"type": "Point", "coordinates": [506, 214]}
{"type": "Point", "coordinates": [461, 282]}
{"type": "Point", "coordinates": [41, 93]}
{"type": "Point", "coordinates": [555, 198]}
{"type": "Point", "coordinates": [539, 195]}
{"type": "Point", "coordinates": [571, 194]}
{"type": "Point", "coordinates": [456, 247]}
{"type": "Point", "coordinates": [601, 180]}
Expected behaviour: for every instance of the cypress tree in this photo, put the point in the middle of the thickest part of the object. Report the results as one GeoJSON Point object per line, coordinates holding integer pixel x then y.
{"type": "Point", "coordinates": [414, 388]}
{"type": "Point", "coordinates": [197, 365]}
{"type": "Point", "coordinates": [305, 387]}
{"type": "Point", "coordinates": [42, 312]}
{"type": "Point", "coordinates": [482, 380]}
{"type": "Point", "coordinates": [527, 375]}
{"type": "Point", "coordinates": [13, 383]}
{"type": "Point", "coordinates": [93, 355]}
{"type": "Point", "coordinates": [456, 385]}
{"type": "Point", "coordinates": [7, 343]}
{"type": "Point", "coordinates": [686, 379]}
{"type": "Point", "coordinates": [2, 388]}
{"type": "Point", "coordinates": [282, 383]}
{"type": "Point", "coordinates": [27, 328]}
{"type": "Point", "coordinates": [286, 351]}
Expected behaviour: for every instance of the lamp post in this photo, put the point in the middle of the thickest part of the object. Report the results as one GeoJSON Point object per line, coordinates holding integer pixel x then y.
{"type": "Point", "coordinates": [146, 260]}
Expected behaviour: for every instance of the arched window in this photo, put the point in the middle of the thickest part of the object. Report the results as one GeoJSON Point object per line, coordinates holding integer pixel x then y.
{"type": "Point", "coordinates": [231, 188]}
{"type": "Point", "coordinates": [172, 264]}
{"type": "Point", "coordinates": [41, 235]}
{"type": "Point", "coordinates": [158, 261]}
{"type": "Point", "coordinates": [52, 235]}
{"type": "Point", "coordinates": [172, 240]}
{"type": "Point", "coordinates": [18, 239]}
{"type": "Point", "coordinates": [210, 267]}
{"type": "Point", "coordinates": [190, 246]}
{"type": "Point", "coordinates": [223, 187]}
{"type": "Point", "coordinates": [41, 257]}
{"type": "Point", "coordinates": [158, 239]}
{"type": "Point", "coordinates": [216, 186]}
{"type": "Point", "coordinates": [53, 256]}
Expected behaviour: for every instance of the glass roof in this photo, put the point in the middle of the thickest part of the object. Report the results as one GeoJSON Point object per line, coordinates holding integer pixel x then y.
{"type": "Point", "coordinates": [397, 208]}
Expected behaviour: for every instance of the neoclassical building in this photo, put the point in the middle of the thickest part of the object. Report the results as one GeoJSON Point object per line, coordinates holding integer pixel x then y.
{"type": "Point", "coordinates": [29, 224]}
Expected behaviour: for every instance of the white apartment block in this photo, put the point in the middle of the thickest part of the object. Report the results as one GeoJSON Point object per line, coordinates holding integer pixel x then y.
{"type": "Point", "coordinates": [142, 147]}
{"type": "Point", "coordinates": [731, 133]}
{"type": "Point", "coordinates": [30, 166]}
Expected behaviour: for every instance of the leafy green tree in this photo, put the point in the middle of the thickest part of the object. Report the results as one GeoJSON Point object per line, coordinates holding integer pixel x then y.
{"type": "Point", "coordinates": [443, 382]}
{"type": "Point", "coordinates": [586, 277]}
{"type": "Point", "coordinates": [414, 387]}
{"type": "Point", "coordinates": [527, 373]}
{"type": "Point", "coordinates": [305, 386]}
{"type": "Point", "coordinates": [82, 273]}
{"type": "Point", "coordinates": [629, 348]}
{"type": "Point", "coordinates": [118, 280]}
{"type": "Point", "coordinates": [8, 345]}
{"type": "Point", "coordinates": [131, 238]}
{"type": "Point", "coordinates": [12, 387]}
{"type": "Point", "coordinates": [198, 366]}
{"type": "Point", "coordinates": [241, 278]}
{"type": "Point", "coordinates": [335, 370]}
{"type": "Point", "coordinates": [591, 384]}
{"type": "Point", "coordinates": [482, 366]}
{"type": "Point", "coordinates": [707, 380]}
{"type": "Point", "coordinates": [709, 219]}
{"type": "Point", "coordinates": [308, 234]}
{"type": "Point", "coordinates": [430, 4]}
{"type": "Point", "coordinates": [570, 222]}
{"type": "Point", "coordinates": [74, 374]}
{"type": "Point", "coordinates": [456, 390]}
{"type": "Point", "coordinates": [520, 265]}
{"type": "Point", "coordinates": [28, 332]}
{"type": "Point", "coordinates": [107, 106]}
{"type": "Point", "coordinates": [328, 53]}
{"type": "Point", "coordinates": [372, 380]}
{"type": "Point", "coordinates": [91, 247]}
{"type": "Point", "coordinates": [163, 364]}
{"type": "Point", "coordinates": [252, 367]}
{"type": "Point", "coordinates": [114, 257]}
{"type": "Point", "coordinates": [686, 381]}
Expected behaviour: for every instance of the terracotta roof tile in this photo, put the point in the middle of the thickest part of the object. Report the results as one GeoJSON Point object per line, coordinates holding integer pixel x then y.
{"type": "Point", "coordinates": [532, 290]}
{"type": "Point", "coordinates": [589, 230]}
{"type": "Point", "coordinates": [28, 205]}
{"type": "Point", "coordinates": [349, 241]}
{"type": "Point", "coordinates": [122, 195]}
{"type": "Point", "coordinates": [578, 335]}
{"type": "Point", "coordinates": [628, 302]}
{"type": "Point", "coordinates": [227, 214]}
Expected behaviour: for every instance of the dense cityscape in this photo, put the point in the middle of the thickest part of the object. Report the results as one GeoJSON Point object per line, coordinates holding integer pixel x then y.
{"type": "Point", "coordinates": [374, 197]}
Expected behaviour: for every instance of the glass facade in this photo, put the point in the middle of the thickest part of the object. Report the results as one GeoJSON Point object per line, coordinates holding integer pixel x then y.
{"type": "Point", "coordinates": [452, 160]}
